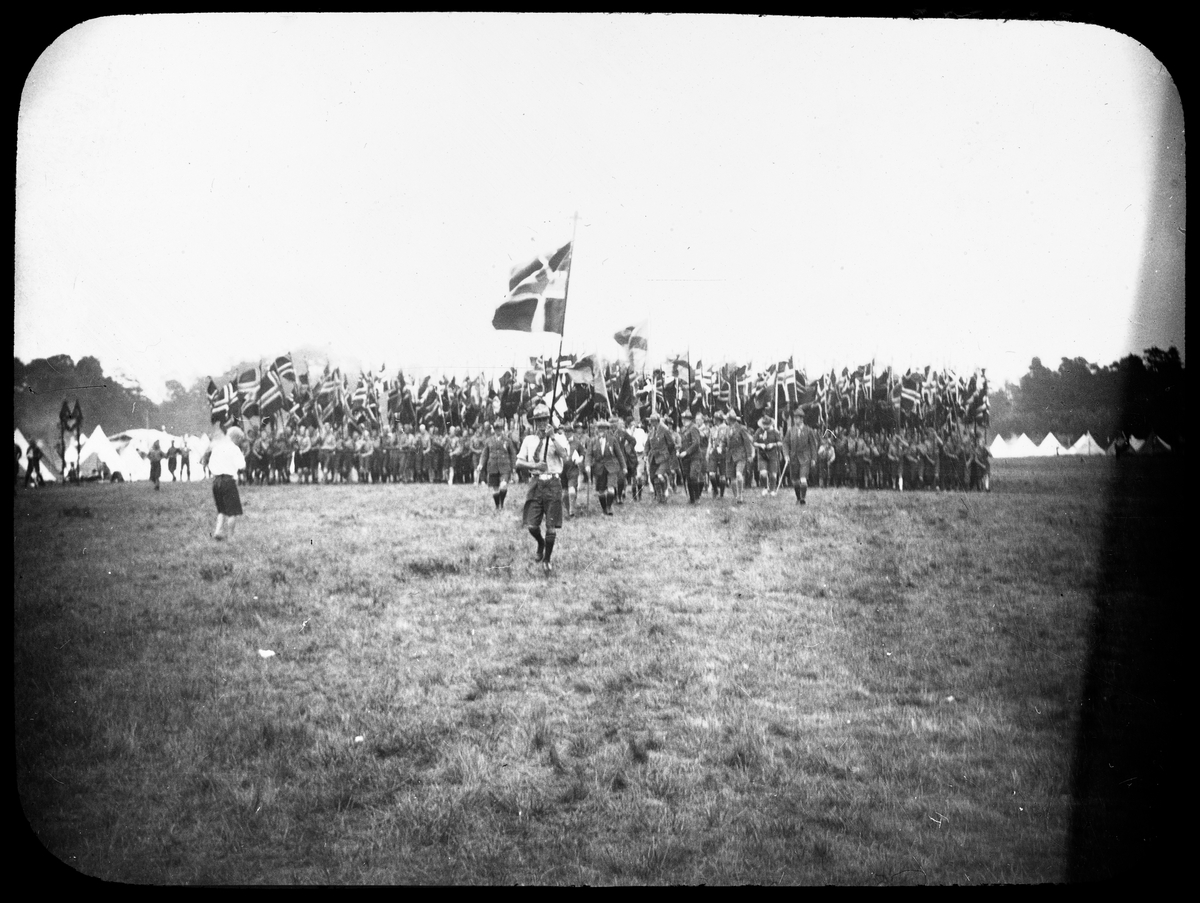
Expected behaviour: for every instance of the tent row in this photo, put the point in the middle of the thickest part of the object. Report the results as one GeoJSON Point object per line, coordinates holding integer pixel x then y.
{"type": "Point", "coordinates": [1023, 447]}
{"type": "Point", "coordinates": [124, 454]}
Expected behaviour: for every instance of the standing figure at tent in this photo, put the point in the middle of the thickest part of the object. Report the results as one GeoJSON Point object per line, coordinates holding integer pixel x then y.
{"type": "Point", "coordinates": [543, 454]}
{"type": "Point", "coordinates": [33, 468]}
{"type": "Point", "coordinates": [155, 456]}
{"type": "Point", "coordinates": [172, 460]}
{"type": "Point", "coordinates": [185, 457]}
{"type": "Point", "coordinates": [225, 461]}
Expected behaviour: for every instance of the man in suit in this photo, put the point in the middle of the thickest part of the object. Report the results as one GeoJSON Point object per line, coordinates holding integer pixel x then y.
{"type": "Point", "coordinates": [605, 458]}
{"type": "Point", "coordinates": [692, 452]}
{"type": "Point", "coordinates": [801, 446]}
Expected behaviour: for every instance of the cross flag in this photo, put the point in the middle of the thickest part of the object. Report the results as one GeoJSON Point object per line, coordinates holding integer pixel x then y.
{"type": "Point", "coordinates": [633, 340]}
{"type": "Point", "coordinates": [537, 295]}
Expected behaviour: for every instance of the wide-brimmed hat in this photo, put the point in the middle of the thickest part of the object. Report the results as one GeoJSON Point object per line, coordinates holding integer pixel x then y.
{"type": "Point", "coordinates": [687, 415]}
{"type": "Point", "coordinates": [540, 412]}
{"type": "Point", "coordinates": [615, 422]}
{"type": "Point", "coordinates": [720, 415]}
{"type": "Point", "coordinates": [765, 421]}
{"type": "Point", "coordinates": [654, 417]}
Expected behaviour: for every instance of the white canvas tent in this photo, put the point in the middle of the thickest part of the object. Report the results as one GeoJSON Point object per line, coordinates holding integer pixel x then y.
{"type": "Point", "coordinates": [1085, 445]}
{"type": "Point", "coordinates": [135, 443]}
{"type": "Point", "coordinates": [46, 467]}
{"type": "Point", "coordinates": [96, 450]}
{"type": "Point", "coordinates": [1022, 447]}
{"type": "Point", "coordinates": [1050, 447]}
{"type": "Point", "coordinates": [999, 447]}
{"type": "Point", "coordinates": [134, 466]}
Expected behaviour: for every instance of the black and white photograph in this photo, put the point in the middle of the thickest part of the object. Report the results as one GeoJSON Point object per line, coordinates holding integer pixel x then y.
{"type": "Point", "coordinates": [598, 449]}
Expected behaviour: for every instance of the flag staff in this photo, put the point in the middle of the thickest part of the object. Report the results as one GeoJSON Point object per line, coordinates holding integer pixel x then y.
{"type": "Point", "coordinates": [566, 294]}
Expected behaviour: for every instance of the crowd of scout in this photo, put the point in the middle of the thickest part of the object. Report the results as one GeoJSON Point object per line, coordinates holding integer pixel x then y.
{"type": "Point", "coordinates": [621, 458]}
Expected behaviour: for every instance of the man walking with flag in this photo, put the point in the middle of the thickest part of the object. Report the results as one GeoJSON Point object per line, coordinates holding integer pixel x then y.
{"type": "Point", "coordinates": [543, 454]}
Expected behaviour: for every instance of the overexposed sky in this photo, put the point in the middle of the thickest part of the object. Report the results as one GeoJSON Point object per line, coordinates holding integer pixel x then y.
{"type": "Point", "coordinates": [193, 191]}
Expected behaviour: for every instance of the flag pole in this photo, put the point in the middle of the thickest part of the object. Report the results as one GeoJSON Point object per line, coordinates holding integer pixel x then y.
{"type": "Point", "coordinates": [566, 295]}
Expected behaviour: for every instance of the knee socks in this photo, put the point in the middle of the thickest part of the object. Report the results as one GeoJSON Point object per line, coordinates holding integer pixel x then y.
{"type": "Point", "coordinates": [549, 546]}
{"type": "Point", "coordinates": [536, 533]}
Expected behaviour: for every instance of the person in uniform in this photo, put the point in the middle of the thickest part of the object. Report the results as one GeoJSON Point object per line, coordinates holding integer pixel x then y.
{"type": "Point", "coordinates": [624, 436]}
{"type": "Point", "coordinates": [185, 460]}
{"type": "Point", "coordinates": [641, 476]}
{"type": "Point", "coordinates": [716, 454]}
{"type": "Point", "coordinates": [604, 458]}
{"type": "Point", "coordinates": [801, 447]}
{"type": "Point", "coordinates": [570, 473]}
{"type": "Point", "coordinates": [422, 450]}
{"type": "Point", "coordinates": [825, 459]}
{"type": "Point", "coordinates": [33, 466]}
{"type": "Point", "coordinates": [496, 463]}
{"type": "Point", "coordinates": [172, 460]}
{"type": "Point", "coordinates": [475, 446]}
{"type": "Point", "coordinates": [660, 451]}
{"type": "Point", "coordinates": [769, 443]}
{"type": "Point", "coordinates": [542, 455]}
{"type": "Point", "coordinates": [155, 456]}
{"type": "Point", "coordinates": [739, 451]}
{"type": "Point", "coordinates": [692, 449]}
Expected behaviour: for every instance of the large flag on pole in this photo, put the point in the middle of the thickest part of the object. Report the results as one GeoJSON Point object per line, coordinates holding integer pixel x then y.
{"type": "Point", "coordinates": [537, 295]}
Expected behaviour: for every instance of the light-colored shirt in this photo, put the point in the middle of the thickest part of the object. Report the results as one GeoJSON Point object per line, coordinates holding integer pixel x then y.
{"type": "Point", "coordinates": [555, 452]}
{"type": "Point", "coordinates": [225, 458]}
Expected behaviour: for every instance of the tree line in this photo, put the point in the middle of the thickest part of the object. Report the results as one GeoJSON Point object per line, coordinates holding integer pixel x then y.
{"type": "Point", "coordinates": [1132, 396]}
{"type": "Point", "coordinates": [1135, 395]}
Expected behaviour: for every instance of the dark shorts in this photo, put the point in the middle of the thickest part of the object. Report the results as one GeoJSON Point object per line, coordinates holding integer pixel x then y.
{"type": "Point", "coordinates": [155, 470]}
{"type": "Point", "coordinates": [544, 501]}
{"type": "Point", "coordinates": [225, 493]}
{"type": "Point", "coordinates": [494, 479]}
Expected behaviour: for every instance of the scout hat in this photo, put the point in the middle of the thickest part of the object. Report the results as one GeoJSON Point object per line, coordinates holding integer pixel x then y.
{"type": "Point", "coordinates": [687, 415]}
{"type": "Point", "coordinates": [541, 412]}
{"type": "Point", "coordinates": [766, 421]}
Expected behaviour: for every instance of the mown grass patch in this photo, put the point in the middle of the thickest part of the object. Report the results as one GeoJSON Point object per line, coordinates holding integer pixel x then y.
{"type": "Point", "coordinates": [874, 688]}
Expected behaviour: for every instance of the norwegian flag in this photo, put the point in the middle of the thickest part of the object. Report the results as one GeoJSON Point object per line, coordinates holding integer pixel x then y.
{"type": "Point", "coordinates": [537, 295]}
{"type": "Point", "coordinates": [224, 403]}
{"type": "Point", "coordinates": [270, 396]}
{"type": "Point", "coordinates": [285, 368]}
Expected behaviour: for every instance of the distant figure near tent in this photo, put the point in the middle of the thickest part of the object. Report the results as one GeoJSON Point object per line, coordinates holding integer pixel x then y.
{"type": "Point", "coordinates": [33, 471]}
{"type": "Point", "coordinates": [155, 456]}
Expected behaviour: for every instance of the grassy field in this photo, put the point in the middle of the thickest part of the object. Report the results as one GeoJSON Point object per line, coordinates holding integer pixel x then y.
{"type": "Point", "coordinates": [876, 688]}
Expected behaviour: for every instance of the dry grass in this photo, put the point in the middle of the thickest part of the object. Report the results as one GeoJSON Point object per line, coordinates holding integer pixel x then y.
{"type": "Point", "coordinates": [877, 688]}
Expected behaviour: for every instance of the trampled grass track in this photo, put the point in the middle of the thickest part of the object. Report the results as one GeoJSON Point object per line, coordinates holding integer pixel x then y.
{"type": "Point", "coordinates": [876, 688]}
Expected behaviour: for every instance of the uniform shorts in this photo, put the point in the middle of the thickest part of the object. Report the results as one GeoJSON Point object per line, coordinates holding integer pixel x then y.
{"type": "Point", "coordinates": [543, 502]}
{"type": "Point", "coordinates": [494, 479]}
{"type": "Point", "coordinates": [225, 493]}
